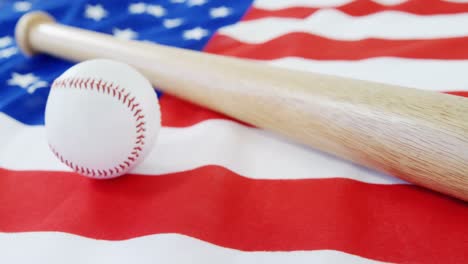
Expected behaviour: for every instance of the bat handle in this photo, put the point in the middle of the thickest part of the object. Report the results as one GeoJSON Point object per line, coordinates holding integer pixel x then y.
{"type": "Point", "coordinates": [417, 135]}
{"type": "Point", "coordinates": [23, 27]}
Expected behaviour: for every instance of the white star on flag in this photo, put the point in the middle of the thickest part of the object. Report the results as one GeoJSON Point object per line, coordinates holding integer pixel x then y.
{"type": "Point", "coordinates": [172, 23]}
{"type": "Point", "coordinates": [156, 10]}
{"type": "Point", "coordinates": [177, 1]}
{"type": "Point", "coordinates": [196, 2]}
{"type": "Point", "coordinates": [195, 33]}
{"type": "Point", "coordinates": [5, 41]}
{"type": "Point", "coordinates": [8, 52]}
{"type": "Point", "coordinates": [95, 12]}
{"type": "Point", "coordinates": [22, 80]}
{"type": "Point", "coordinates": [137, 8]}
{"type": "Point", "coordinates": [221, 11]}
{"type": "Point", "coordinates": [28, 81]}
{"type": "Point", "coordinates": [22, 6]}
{"type": "Point", "coordinates": [126, 34]}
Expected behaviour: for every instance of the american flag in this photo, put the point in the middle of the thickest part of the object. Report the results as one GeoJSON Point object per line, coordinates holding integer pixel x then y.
{"type": "Point", "coordinates": [215, 190]}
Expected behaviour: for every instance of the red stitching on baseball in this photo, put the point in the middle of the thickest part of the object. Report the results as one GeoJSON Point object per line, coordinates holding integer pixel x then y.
{"type": "Point", "coordinates": [98, 85]}
{"type": "Point", "coordinates": [108, 88]}
{"type": "Point", "coordinates": [131, 101]}
{"type": "Point", "coordinates": [137, 112]}
{"type": "Point", "coordinates": [121, 95]}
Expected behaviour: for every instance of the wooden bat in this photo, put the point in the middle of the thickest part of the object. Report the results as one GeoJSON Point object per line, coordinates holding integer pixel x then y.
{"type": "Point", "coordinates": [419, 136]}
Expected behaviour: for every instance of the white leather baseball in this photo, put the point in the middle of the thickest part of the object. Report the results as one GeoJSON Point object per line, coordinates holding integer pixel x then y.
{"type": "Point", "coordinates": [102, 118]}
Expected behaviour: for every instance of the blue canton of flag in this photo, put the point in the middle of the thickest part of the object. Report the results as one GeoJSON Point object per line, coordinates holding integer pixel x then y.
{"type": "Point", "coordinates": [182, 23]}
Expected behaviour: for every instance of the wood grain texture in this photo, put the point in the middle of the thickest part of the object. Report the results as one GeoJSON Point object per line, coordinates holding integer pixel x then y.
{"type": "Point", "coordinates": [419, 136]}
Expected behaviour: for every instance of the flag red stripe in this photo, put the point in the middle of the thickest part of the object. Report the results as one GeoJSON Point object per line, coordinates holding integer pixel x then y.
{"type": "Point", "coordinates": [315, 47]}
{"type": "Point", "coordinates": [292, 12]}
{"type": "Point", "coordinates": [390, 223]}
{"type": "Point", "coordinates": [176, 112]}
{"type": "Point", "coordinates": [459, 93]}
{"type": "Point", "coordinates": [179, 113]}
{"type": "Point", "coordinates": [366, 7]}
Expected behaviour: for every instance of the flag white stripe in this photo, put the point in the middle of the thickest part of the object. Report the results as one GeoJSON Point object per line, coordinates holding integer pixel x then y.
{"type": "Point", "coordinates": [281, 4]}
{"type": "Point", "coordinates": [36, 247]}
{"type": "Point", "coordinates": [435, 75]}
{"type": "Point", "coordinates": [334, 24]}
{"type": "Point", "coordinates": [254, 154]}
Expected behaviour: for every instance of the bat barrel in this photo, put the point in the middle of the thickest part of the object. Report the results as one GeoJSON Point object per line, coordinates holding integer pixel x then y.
{"type": "Point", "coordinates": [419, 136]}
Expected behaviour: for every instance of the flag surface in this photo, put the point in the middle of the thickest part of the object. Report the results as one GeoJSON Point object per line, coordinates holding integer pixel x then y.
{"type": "Point", "coordinates": [215, 190]}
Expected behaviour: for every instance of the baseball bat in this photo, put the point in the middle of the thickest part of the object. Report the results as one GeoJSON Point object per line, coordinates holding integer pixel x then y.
{"type": "Point", "coordinates": [416, 135]}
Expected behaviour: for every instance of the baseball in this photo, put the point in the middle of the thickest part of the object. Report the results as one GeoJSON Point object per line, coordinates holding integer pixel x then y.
{"type": "Point", "coordinates": [102, 118]}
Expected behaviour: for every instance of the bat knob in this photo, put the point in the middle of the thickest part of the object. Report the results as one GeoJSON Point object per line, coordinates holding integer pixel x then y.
{"type": "Point", "coordinates": [24, 26]}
